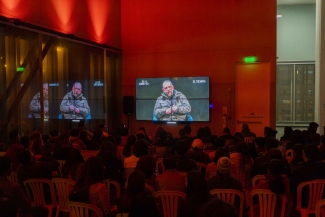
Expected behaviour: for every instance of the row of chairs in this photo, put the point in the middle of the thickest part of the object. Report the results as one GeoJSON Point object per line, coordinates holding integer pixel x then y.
{"type": "Point", "coordinates": [59, 190]}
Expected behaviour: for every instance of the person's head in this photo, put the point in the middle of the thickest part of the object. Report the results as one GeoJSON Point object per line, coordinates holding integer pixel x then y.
{"type": "Point", "coordinates": [223, 166]}
{"type": "Point", "coordinates": [103, 127]}
{"type": "Point", "coordinates": [5, 166]}
{"type": "Point", "coordinates": [226, 130]}
{"type": "Point", "coordinates": [140, 135]}
{"type": "Point", "coordinates": [140, 148]}
{"type": "Point", "coordinates": [271, 143]}
{"type": "Point", "coordinates": [136, 183]}
{"type": "Point", "coordinates": [94, 170]}
{"type": "Point", "coordinates": [268, 132]}
{"type": "Point", "coordinates": [187, 129]}
{"type": "Point", "coordinates": [111, 139]}
{"type": "Point", "coordinates": [197, 144]}
{"type": "Point", "coordinates": [260, 143]}
{"type": "Point", "coordinates": [76, 89]}
{"type": "Point", "coordinates": [313, 126]}
{"type": "Point", "coordinates": [25, 141]}
{"type": "Point", "coordinates": [54, 133]}
{"type": "Point", "coordinates": [207, 131]}
{"type": "Point", "coordinates": [219, 142]}
{"type": "Point", "coordinates": [23, 156]}
{"type": "Point", "coordinates": [168, 88]}
{"type": "Point", "coordinates": [169, 162]}
{"type": "Point", "coordinates": [217, 208]}
{"type": "Point", "coordinates": [81, 125]}
{"type": "Point", "coordinates": [221, 152]}
{"type": "Point", "coordinates": [105, 146]}
{"type": "Point", "coordinates": [200, 133]}
{"type": "Point", "coordinates": [124, 131]}
{"type": "Point", "coordinates": [45, 90]}
{"type": "Point", "coordinates": [181, 147]}
{"type": "Point", "coordinates": [296, 137]}
{"type": "Point", "coordinates": [131, 139]}
{"type": "Point", "coordinates": [35, 135]}
{"type": "Point", "coordinates": [84, 136]}
{"type": "Point", "coordinates": [63, 141]}
{"type": "Point", "coordinates": [147, 165]}
{"type": "Point", "coordinates": [245, 127]}
{"type": "Point", "coordinates": [74, 133]}
{"type": "Point", "coordinates": [195, 182]}
{"type": "Point", "coordinates": [45, 138]}
{"type": "Point", "coordinates": [110, 160]}
{"type": "Point", "coordinates": [14, 136]}
{"type": "Point", "coordinates": [98, 133]}
{"type": "Point", "coordinates": [311, 152]}
{"type": "Point", "coordinates": [74, 157]}
{"type": "Point", "coordinates": [288, 130]}
{"type": "Point", "coordinates": [297, 150]}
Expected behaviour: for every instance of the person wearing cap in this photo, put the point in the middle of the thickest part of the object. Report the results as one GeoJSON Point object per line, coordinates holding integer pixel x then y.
{"type": "Point", "coordinates": [196, 152]}
{"type": "Point", "coordinates": [223, 179]}
{"type": "Point", "coordinates": [312, 131]}
{"type": "Point", "coordinates": [184, 163]}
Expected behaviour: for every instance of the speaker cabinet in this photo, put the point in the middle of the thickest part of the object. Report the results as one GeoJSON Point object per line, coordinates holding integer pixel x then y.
{"type": "Point", "coordinates": [128, 104]}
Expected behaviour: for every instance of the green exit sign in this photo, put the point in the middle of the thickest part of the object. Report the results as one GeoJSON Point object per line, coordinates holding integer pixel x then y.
{"type": "Point", "coordinates": [20, 69]}
{"type": "Point", "coordinates": [250, 59]}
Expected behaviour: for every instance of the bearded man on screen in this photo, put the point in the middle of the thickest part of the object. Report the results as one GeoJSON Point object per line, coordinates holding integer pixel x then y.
{"type": "Point", "coordinates": [74, 105]}
{"type": "Point", "coordinates": [172, 105]}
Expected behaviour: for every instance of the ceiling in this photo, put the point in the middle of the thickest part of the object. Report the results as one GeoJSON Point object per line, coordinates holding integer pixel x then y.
{"type": "Point", "coordinates": [294, 2]}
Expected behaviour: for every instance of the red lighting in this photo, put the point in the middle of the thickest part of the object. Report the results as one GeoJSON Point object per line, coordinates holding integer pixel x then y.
{"type": "Point", "coordinates": [98, 11]}
{"type": "Point", "coordinates": [10, 4]}
{"type": "Point", "coordinates": [64, 9]}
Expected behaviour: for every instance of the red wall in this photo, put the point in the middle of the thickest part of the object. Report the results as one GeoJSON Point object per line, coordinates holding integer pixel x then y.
{"type": "Point", "coordinates": [196, 38]}
{"type": "Point", "coordinates": [96, 20]}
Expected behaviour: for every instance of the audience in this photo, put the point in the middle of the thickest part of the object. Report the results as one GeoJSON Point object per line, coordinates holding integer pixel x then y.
{"type": "Point", "coordinates": [31, 160]}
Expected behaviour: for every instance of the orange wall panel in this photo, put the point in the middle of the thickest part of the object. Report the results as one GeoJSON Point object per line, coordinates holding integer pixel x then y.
{"type": "Point", "coordinates": [197, 38]}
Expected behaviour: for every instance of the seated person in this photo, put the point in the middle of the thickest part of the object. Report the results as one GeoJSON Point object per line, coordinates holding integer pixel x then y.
{"type": "Point", "coordinates": [184, 163]}
{"type": "Point", "coordinates": [163, 181]}
{"type": "Point", "coordinates": [196, 152]}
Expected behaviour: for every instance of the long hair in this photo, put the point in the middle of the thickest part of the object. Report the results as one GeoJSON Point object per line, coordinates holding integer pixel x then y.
{"type": "Point", "coordinates": [91, 174]}
{"type": "Point", "coordinates": [276, 182]}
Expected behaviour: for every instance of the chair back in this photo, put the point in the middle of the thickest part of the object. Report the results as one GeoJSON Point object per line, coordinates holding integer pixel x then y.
{"type": "Point", "coordinates": [256, 178]}
{"type": "Point", "coordinates": [319, 210]}
{"type": "Point", "coordinates": [150, 188]}
{"type": "Point", "coordinates": [62, 187]}
{"type": "Point", "coordinates": [108, 183]}
{"type": "Point", "coordinates": [160, 166]}
{"type": "Point", "coordinates": [87, 154]}
{"type": "Point", "coordinates": [169, 200]}
{"type": "Point", "coordinates": [122, 214]}
{"type": "Point", "coordinates": [82, 210]}
{"type": "Point", "coordinates": [35, 191]}
{"type": "Point", "coordinates": [266, 201]}
{"type": "Point", "coordinates": [249, 139]}
{"type": "Point", "coordinates": [315, 190]}
{"type": "Point", "coordinates": [229, 195]}
{"type": "Point", "coordinates": [13, 177]}
{"type": "Point", "coordinates": [61, 163]}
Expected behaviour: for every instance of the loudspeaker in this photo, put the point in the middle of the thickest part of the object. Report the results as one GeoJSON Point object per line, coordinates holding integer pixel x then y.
{"type": "Point", "coordinates": [128, 104]}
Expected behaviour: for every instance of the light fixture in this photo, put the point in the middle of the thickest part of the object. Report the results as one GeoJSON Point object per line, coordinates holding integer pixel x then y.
{"type": "Point", "coordinates": [278, 16]}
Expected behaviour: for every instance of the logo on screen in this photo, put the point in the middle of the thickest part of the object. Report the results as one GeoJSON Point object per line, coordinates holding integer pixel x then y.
{"type": "Point", "coordinates": [98, 84]}
{"type": "Point", "coordinates": [144, 82]}
{"type": "Point", "coordinates": [199, 81]}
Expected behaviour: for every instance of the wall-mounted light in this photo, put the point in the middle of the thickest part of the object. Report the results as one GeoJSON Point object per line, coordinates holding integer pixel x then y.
{"type": "Point", "coordinates": [278, 16]}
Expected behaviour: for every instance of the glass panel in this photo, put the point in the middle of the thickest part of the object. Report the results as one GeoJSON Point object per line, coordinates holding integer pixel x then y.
{"type": "Point", "coordinates": [284, 93]}
{"type": "Point", "coordinates": [305, 94]}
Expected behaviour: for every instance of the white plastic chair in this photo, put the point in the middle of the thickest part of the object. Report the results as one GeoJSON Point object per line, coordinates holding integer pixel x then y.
{"type": "Point", "coordinates": [229, 195]}
{"type": "Point", "coordinates": [35, 192]}
{"type": "Point", "coordinates": [62, 189]}
{"type": "Point", "coordinates": [13, 177]}
{"type": "Point", "coordinates": [256, 178]}
{"type": "Point", "coordinates": [108, 183]}
{"type": "Point", "coordinates": [315, 190]}
{"type": "Point", "coordinates": [169, 201]}
{"type": "Point", "coordinates": [160, 166]}
{"type": "Point", "coordinates": [266, 201]}
{"type": "Point", "coordinates": [319, 210]}
{"type": "Point", "coordinates": [61, 163]}
{"type": "Point", "coordinates": [82, 210]}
